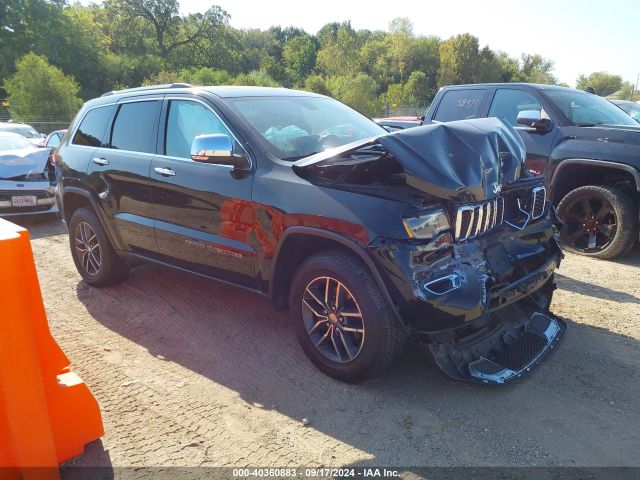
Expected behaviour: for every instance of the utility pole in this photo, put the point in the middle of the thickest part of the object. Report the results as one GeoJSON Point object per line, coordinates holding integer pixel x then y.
{"type": "Point", "coordinates": [636, 89]}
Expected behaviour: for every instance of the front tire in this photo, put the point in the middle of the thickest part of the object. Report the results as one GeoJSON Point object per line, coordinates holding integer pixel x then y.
{"type": "Point", "coordinates": [92, 252]}
{"type": "Point", "coordinates": [599, 221]}
{"type": "Point", "coordinates": [341, 319]}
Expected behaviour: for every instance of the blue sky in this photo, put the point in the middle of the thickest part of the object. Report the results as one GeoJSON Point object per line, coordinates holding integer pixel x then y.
{"type": "Point", "coordinates": [579, 36]}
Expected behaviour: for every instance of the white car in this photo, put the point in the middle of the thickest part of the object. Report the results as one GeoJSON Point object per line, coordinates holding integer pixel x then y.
{"type": "Point", "coordinates": [23, 129]}
{"type": "Point", "coordinates": [27, 181]}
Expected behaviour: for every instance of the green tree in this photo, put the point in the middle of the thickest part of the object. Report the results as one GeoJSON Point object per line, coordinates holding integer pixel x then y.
{"type": "Point", "coordinates": [339, 56]}
{"type": "Point", "coordinates": [418, 90]}
{"type": "Point", "coordinates": [627, 92]}
{"type": "Point", "coordinates": [425, 57]}
{"type": "Point", "coordinates": [401, 43]}
{"type": "Point", "coordinates": [459, 60]}
{"type": "Point", "coordinates": [603, 83]}
{"type": "Point", "coordinates": [537, 69]}
{"type": "Point", "coordinates": [299, 55]}
{"type": "Point", "coordinates": [171, 29]}
{"type": "Point", "coordinates": [26, 25]}
{"type": "Point", "coordinates": [209, 76]}
{"type": "Point", "coordinates": [359, 92]}
{"type": "Point", "coordinates": [257, 78]}
{"type": "Point", "coordinates": [40, 92]}
{"type": "Point", "coordinates": [317, 84]}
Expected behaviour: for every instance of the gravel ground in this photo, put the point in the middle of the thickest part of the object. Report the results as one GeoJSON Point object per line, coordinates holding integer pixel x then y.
{"type": "Point", "coordinates": [192, 373]}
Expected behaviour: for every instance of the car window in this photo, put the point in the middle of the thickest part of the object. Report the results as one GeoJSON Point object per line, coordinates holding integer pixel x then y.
{"type": "Point", "coordinates": [507, 103]}
{"type": "Point", "coordinates": [92, 129]}
{"type": "Point", "coordinates": [186, 120]}
{"type": "Point", "coordinates": [459, 105]}
{"type": "Point", "coordinates": [54, 140]}
{"type": "Point", "coordinates": [586, 109]}
{"type": "Point", "coordinates": [134, 127]}
{"type": "Point", "coordinates": [295, 127]}
{"type": "Point", "coordinates": [27, 132]}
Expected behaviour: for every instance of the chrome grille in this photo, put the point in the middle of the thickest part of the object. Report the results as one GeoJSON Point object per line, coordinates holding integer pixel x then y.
{"type": "Point", "coordinates": [538, 199]}
{"type": "Point", "coordinates": [473, 220]}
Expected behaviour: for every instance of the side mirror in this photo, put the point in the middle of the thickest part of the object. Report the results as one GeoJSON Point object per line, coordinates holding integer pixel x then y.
{"type": "Point", "coordinates": [217, 148]}
{"type": "Point", "coordinates": [43, 135]}
{"type": "Point", "coordinates": [534, 119]}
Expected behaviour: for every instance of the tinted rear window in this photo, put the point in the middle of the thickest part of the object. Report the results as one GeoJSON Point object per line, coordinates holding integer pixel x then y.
{"type": "Point", "coordinates": [459, 105]}
{"type": "Point", "coordinates": [134, 127]}
{"type": "Point", "coordinates": [93, 126]}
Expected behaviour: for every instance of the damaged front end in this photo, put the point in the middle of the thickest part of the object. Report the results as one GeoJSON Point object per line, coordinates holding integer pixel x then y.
{"type": "Point", "coordinates": [27, 183]}
{"type": "Point", "coordinates": [473, 278]}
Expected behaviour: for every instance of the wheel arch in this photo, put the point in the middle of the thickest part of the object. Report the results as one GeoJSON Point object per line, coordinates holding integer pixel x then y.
{"type": "Point", "coordinates": [74, 198]}
{"type": "Point", "coordinates": [577, 172]}
{"type": "Point", "coordinates": [299, 243]}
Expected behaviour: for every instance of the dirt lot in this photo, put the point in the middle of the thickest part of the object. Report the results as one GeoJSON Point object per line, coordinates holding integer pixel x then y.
{"type": "Point", "coordinates": [190, 372]}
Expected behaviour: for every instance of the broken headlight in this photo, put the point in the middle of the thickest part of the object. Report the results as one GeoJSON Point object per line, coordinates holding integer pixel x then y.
{"type": "Point", "coordinates": [426, 226]}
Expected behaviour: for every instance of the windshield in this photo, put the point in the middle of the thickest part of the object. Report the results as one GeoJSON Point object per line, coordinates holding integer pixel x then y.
{"type": "Point", "coordinates": [632, 109]}
{"type": "Point", "coordinates": [295, 127]}
{"type": "Point", "coordinates": [24, 131]}
{"type": "Point", "coordinates": [11, 142]}
{"type": "Point", "coordinates": [587, 110]}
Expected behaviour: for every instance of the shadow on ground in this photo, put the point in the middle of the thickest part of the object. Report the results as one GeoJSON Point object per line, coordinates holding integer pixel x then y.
{"type": "Point", "coordinates": [411, 415]}
{"type": "Point", "coordinates": [593, 290]}
{"type": "Point", "coordinates": [40, 226]}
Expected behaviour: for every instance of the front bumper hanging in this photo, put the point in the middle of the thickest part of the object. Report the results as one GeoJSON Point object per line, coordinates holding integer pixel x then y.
{"type": "Point", "coordinates": [522, 354]}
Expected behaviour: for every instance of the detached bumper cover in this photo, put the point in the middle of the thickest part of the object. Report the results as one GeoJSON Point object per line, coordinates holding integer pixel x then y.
{"type": "Point", "coordinates": [526, 352]}
{"type": "Point", "coordinates": [518, 339]}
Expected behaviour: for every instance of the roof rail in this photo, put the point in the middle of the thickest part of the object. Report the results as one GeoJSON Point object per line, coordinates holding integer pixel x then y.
{"type": "Point", "coordinates": [150, 87]}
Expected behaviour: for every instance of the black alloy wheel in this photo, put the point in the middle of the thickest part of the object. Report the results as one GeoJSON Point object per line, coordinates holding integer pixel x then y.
{"type": "Point", "coordinates": [599, 221]}
{"type": "Point", "coordinates": [341, 318]}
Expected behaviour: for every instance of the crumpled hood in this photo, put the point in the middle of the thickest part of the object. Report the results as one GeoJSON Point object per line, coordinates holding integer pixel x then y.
{"type": "Point", "coordinates": [16, 163]}
{"type": "Point", "coordinates": [465, 161]}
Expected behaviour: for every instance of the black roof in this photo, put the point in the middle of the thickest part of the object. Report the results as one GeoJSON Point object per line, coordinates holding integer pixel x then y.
{"type": "Point", "coordinates": [219, 91]}
{"type": "Point", "coordinates": [540, 86]}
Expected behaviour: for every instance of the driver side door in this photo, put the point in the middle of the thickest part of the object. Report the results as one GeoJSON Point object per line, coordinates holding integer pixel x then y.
{"type": "Point", "coordinates": [203, 212]}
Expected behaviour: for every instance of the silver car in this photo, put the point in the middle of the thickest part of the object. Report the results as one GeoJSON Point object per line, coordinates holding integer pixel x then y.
{"type": "Point", "coordinates": [27, 131]}
{"type": "Point", "coordinates": [27, 182]}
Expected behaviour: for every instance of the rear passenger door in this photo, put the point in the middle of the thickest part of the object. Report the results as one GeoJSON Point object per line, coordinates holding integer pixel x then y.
{"type": "Point", "coordinates": [506, 104]}
{"type": "Point", "coordinates": [119, 172]}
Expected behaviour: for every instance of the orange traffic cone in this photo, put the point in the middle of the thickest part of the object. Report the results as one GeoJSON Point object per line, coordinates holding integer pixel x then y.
{"type": "Point", "coordinates": [47, 414]}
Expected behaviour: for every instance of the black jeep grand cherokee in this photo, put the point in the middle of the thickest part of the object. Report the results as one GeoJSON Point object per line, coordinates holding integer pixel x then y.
{"type": "Point", "coordinates": [369, 238]}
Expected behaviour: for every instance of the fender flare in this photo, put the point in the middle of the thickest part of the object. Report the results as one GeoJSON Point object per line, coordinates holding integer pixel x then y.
{"type": "Point", "coordinates": [351, 246]}
{"type": "Point", "coordinates": [106, 226]}
{"type": "Point", "coordinates": [596, 163]}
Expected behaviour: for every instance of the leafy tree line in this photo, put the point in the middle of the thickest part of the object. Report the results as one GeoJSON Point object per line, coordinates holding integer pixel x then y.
{"type": "Point", "coordinates": [74, 51]}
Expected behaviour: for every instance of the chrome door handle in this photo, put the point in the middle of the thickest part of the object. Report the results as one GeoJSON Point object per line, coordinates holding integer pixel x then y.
{"type": "Point", "coordinates": [100, 161]}
{"type": "Point", "coordinates": [165, 172]}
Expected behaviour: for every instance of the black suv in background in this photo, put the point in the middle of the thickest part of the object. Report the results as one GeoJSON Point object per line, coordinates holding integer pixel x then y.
{"type": "Point", "coordinates": [588, 148]}
{"type": "Point", "coordinates": [368, 238]}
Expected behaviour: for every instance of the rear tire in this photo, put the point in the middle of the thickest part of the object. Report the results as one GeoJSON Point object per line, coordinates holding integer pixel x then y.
{"type": "Point", "coordinates": [364, 336]}
{"type": "Point", "coordinates": [599, 221]}
{"type": "Point", "coordinates": [92, 252]}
